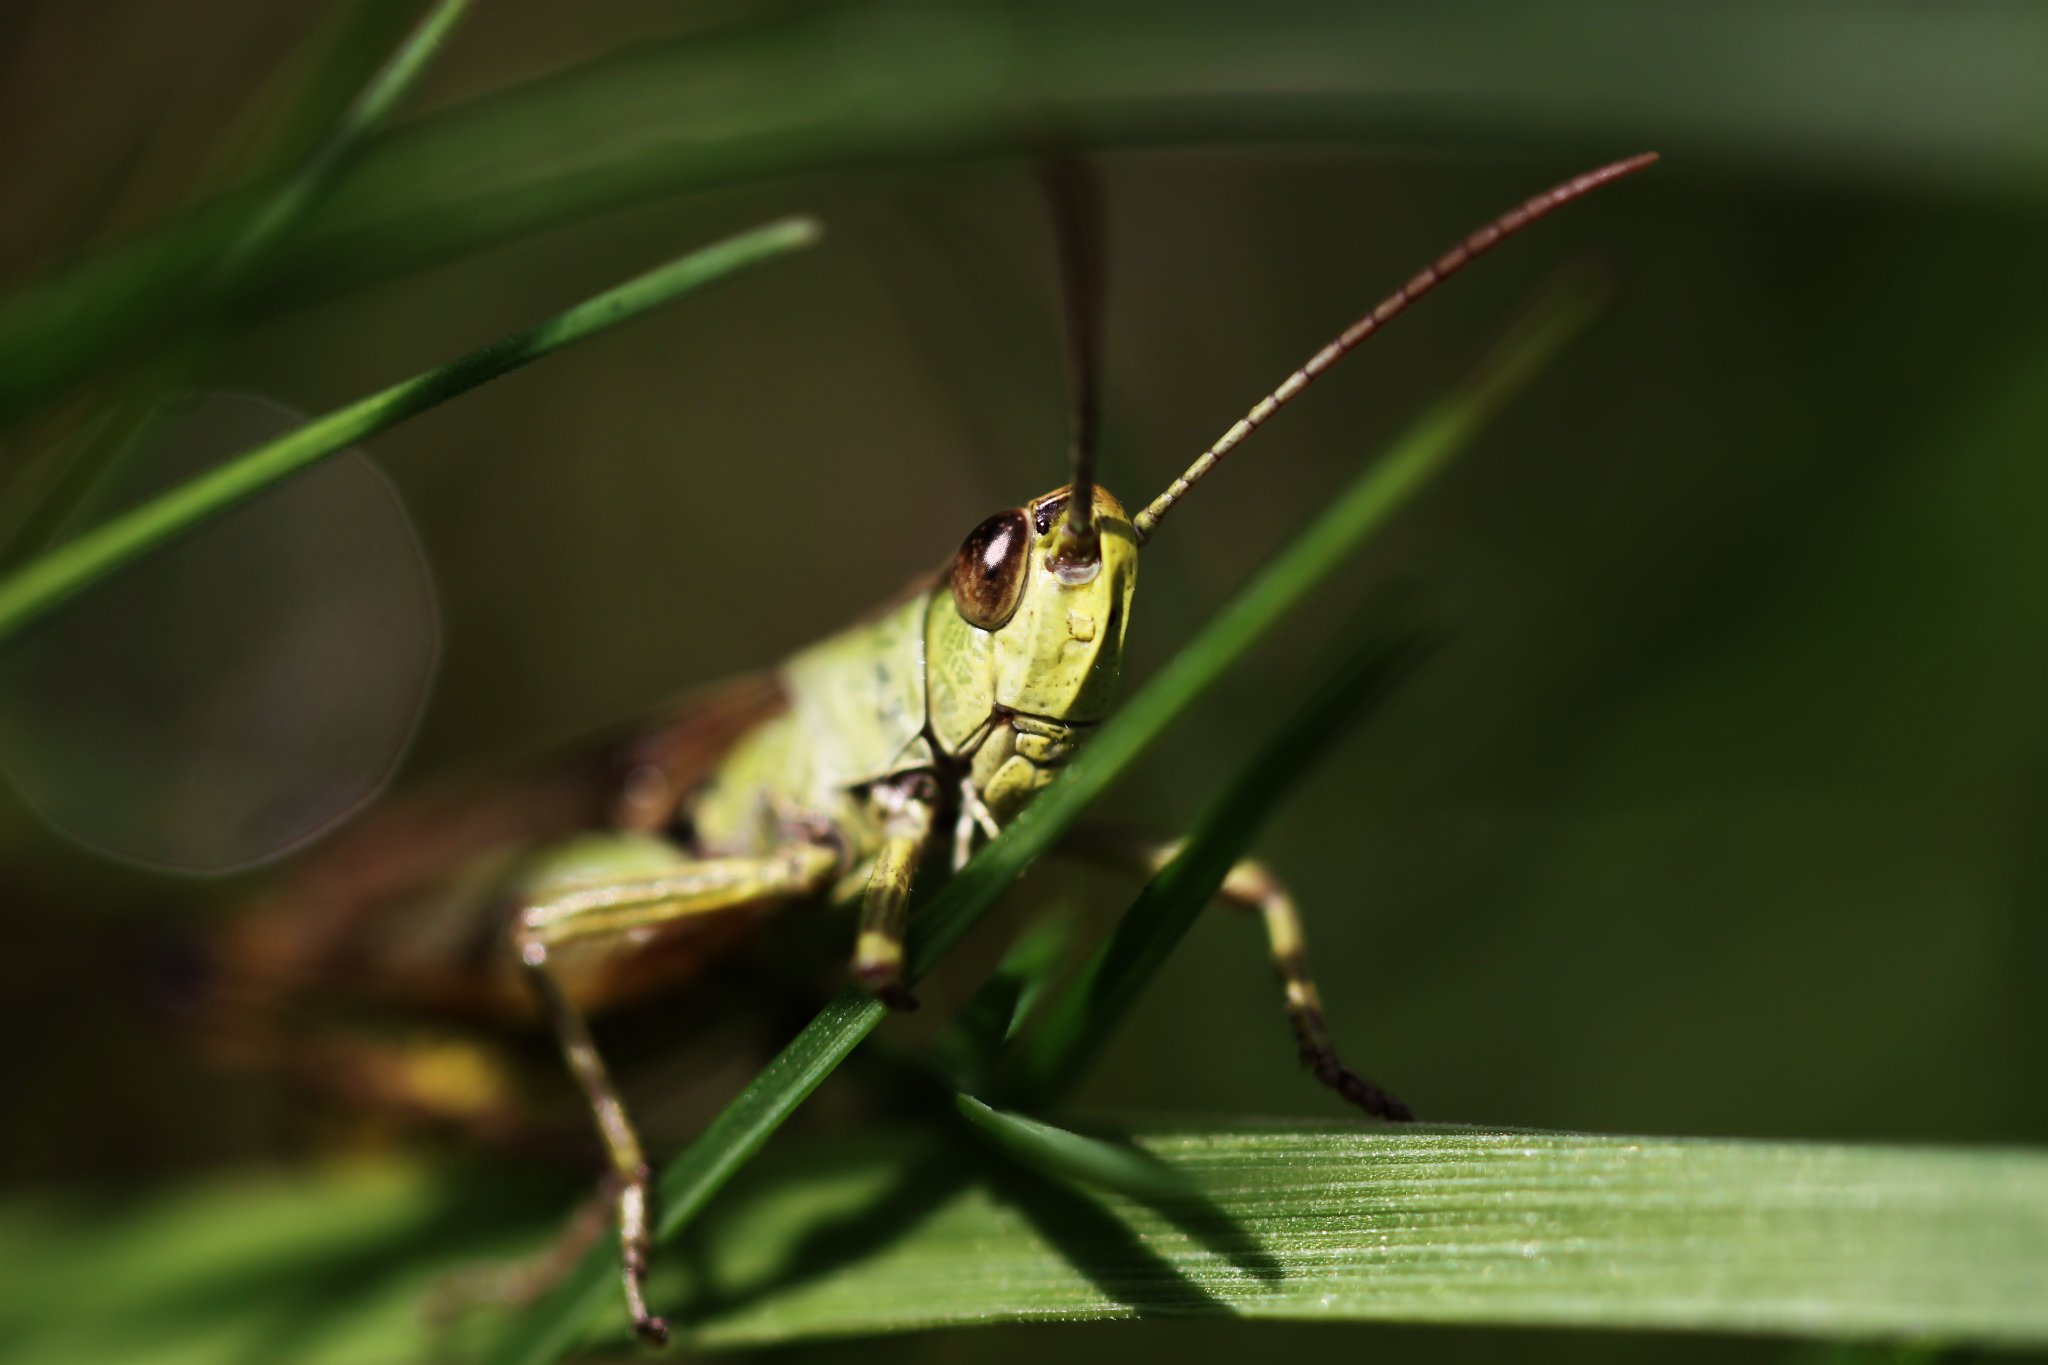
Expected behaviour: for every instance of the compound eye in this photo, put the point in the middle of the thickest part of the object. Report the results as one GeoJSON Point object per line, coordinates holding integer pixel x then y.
{"type": "Point", "coordinates": [988, 573]}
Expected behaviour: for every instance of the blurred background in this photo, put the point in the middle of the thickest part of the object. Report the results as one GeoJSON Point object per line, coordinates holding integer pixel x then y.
{"type": "Point", "coordinates": [1720, 814]}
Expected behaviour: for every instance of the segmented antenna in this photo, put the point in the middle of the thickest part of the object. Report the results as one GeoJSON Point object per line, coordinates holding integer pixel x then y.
{"type": "Point", "coordinates": [1446, 265]}
{"type": "Point", "coordinates": [1076, 209]}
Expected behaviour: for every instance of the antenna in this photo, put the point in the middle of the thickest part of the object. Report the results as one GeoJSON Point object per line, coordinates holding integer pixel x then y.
{"type": "Point", "coordinates": [1389, 308]}
{"type": "Point", "coordinates": [1075, 205]}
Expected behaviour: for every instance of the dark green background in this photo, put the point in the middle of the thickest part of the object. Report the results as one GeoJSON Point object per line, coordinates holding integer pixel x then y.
{"type": "Point", "coordinates": [1720, 814]}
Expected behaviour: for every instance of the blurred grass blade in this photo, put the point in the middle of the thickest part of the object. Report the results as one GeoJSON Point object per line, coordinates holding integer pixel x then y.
{"type": "Point", "coordinates": [244, 232]}
{"type": "Point", "coordinates": [286, 206]}
{"type": "Point", "coordinates": [79, 488]}
{"type": "Point", "coordinates": [1370, 501]}
{"type": "Point", "coordinates": [974, 1040]}
{"type": "Point", "coordinates": [819, 88]}
{"type": "Point", "coordinates": [43, 583]}
{"type": "Point", "coordinates": [1072, 1157]}
{"type": "Point", "coordinates": [1080, 1020]}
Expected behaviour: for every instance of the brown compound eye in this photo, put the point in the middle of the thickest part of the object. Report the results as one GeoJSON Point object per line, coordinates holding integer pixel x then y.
{"type": "Point", "coordinates": [988, 573]}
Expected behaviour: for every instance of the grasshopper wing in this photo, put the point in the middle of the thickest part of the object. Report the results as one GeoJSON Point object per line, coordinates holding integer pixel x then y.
{"type": "Point", "coordinates": [399, 904]}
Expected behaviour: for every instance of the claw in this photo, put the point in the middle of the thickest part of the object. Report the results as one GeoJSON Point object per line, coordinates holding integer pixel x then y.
{"type": "Point", "coordinates": [883, 980]}
{"type": "Point", "coordinates": [898, 997]}
{"type": "Point", "coordinates": [1360, 1091]}
{"type": "Point", "coordinates": [650, 1329]}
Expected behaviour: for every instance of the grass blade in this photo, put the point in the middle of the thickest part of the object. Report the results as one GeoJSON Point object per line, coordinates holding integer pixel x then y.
{"type": "Point", "coordinates": [977, 1038]}
{"type": "Point", "coordinates": [1081, 1019]}
{"type": "Point", "coordinates": [1322, 1223]}
{"type": "Point", "coordinates": [1371, 500]}
{"type": "Point", "coordinates": [50, 579]}
{"type": "Point", "coordinates": [1070, 1156]}
{"type": "Point", "coordinates": [794, 96]}
{"type": "Point", "coordinates": [1419, 1225]}
{"type": "Point", "coordinates": [286, 206]}
{"type": "Point", "coordinates": [243, 232]}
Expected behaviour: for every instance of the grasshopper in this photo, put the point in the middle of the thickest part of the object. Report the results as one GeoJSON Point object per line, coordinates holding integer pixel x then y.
{"type": "Point", "coordinates": [625, 870]}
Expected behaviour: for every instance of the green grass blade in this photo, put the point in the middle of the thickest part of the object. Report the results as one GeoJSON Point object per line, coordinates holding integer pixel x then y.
{"type": "Point", "coordinates": [73, 566]}
{"type": "Point", "coordinates": [1115, 1168]}
{"type": "Point", "coordinates": [977, 1038]}
{"type": "Point", "coordinates": [286, 206]}
{"type": "Point", "coordinates": [835, 88]}
{"type": "Point", "coordinates": [1081, 1019]}
{"type": "Point", "coordinates": [271, 219]}
{"type": "Point", "coordinates": [1320, 1223]}
{"type": "Point", "coordinates": [185, 272]}
{"type": "Point", "coordinates": [1371, 500]}
{"type": "Point", "coordinates": [1432, 1225]}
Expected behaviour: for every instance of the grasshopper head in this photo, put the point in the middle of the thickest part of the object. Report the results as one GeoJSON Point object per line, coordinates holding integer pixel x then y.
{"type": "Point", "coordinates": [1025, 648]}
{"type": "Point", "coordinates": [1054, 621]}
{"type": "Point", "coordinates": [1043, 592]}
{"type": "Point", "coordinates": [1024, 642]}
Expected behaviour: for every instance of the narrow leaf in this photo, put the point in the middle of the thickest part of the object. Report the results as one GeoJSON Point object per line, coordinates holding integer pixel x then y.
{"type": "Point", "coordinates": [1070, 1156]}
{"type": "Point", "coordinates": [268, 221]}
{"type": "Point", "coordinates": [998, 1010]}
{"type": "Point", "coordinates": [44, 582]}
{"type": "Point", "coordinates": [1081, 1019]}
{"type": "Point", "coordinates": [285, 207]}
{"type": "Point", "coordinates": [236, 237]}
{"type": "Point", "coordinates": [831, 87]}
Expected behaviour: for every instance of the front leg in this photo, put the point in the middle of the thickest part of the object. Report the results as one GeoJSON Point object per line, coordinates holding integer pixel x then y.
{"type": "Point", "coordinates": [1250, 886]}
{"type": "Point", "coordinates": [908, 815]}
{"type": "Point", "coordinates": [618, 911]}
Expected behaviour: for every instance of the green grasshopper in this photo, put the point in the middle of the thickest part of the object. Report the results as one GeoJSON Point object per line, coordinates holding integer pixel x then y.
{"type": "Point", "coordinates": [625, 871]}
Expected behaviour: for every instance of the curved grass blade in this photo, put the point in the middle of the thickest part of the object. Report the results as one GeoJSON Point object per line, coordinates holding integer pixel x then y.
{"type": "Point", "coordinates": [286, 206]}
{"type": "Point", "coordinates": [1080, 1020]}
{"type": "Point", "coordinates": [976, 1038]}
{"type": "Point", "coordinates": [1070, 1156]}
{"type": "Point", "coordinates": [1370, 502]}
{"type": "Point", "coordinates": [241, 239]}
{"type": "Point", "coordinates": [793, 97]}
{"type": "Point", "coordinates": [50, 579]}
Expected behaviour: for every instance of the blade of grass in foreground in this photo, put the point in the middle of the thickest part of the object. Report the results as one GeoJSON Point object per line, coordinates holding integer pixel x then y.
{"type": "Point", "coordinates": [1410, 1225]}
{"type": "Point", "coordinates": [48, 580]}
{"type": "Point", "coordinates": [1328, 1222]}
{"type": "Point", "coordinates": [738, 1132]}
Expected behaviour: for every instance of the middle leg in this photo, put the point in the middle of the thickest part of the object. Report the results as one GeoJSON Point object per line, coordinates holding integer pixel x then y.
{"type": "Point", "coordinates": [908, 815]}
{"type": "Point", "coordinates": [1249, 886]}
